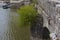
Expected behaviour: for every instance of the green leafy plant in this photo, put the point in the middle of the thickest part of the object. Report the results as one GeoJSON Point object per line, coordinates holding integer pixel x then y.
{"type": "Point", "coordinates": [27, 14]}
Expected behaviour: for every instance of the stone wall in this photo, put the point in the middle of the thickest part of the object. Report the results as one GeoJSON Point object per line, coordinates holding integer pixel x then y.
{"type": "Point", "coordinates": [49, 12]}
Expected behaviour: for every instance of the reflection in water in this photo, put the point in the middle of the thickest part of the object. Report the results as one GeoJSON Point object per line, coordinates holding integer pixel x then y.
{"type": "Point", "coordinates": [8, 25]}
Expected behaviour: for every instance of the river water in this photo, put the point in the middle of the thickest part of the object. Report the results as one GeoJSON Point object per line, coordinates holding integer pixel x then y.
{"type": "Point", "coordinates": [8, 25]}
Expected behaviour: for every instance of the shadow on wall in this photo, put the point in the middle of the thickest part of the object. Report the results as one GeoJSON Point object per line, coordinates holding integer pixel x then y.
{"type": "Point", "coordinates": [37, 29]}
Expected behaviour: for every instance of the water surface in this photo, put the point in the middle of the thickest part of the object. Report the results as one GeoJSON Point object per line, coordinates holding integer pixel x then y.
{"type": "Point", "coordinates": [8, 25]}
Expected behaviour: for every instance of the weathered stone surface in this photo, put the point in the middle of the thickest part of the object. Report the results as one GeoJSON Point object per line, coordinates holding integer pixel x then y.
{"type": "Point", "coordinates": [51, 9]}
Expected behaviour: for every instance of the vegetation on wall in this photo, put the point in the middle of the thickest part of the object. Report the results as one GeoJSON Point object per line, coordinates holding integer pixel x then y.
{"type": "Point", "coordinates": [27, 14]}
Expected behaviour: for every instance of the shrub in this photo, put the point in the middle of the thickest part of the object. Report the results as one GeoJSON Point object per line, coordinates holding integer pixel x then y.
{"type": "Point", "coordinates": [27, 14]}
